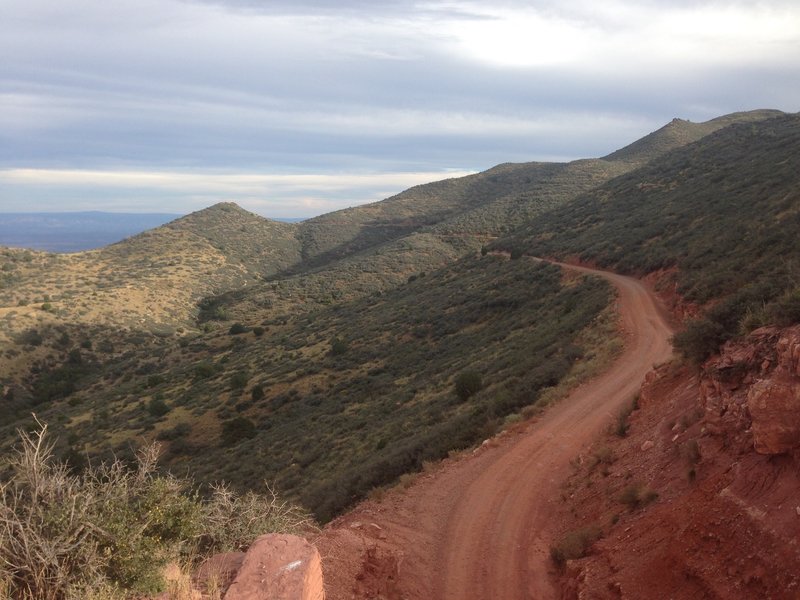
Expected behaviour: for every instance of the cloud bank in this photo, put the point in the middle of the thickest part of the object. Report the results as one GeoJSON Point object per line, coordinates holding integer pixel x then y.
{"type": "Point", "coordinates": [375, 93]}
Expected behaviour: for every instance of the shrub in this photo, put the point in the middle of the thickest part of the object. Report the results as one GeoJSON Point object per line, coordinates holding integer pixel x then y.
{"type": "Point", "coordinates": [621, 425]}
{"type": "Point", "coordinates": [30, 337]}
{"type": "Point", "coordinates": [786, 309]}
{"type": "Point", "coordinates": [157, 407]}
{"type": "Point", "coordinates": [109, 531]}
{"type": "Point", "coordinates": [258, 331]}
{"type": "Point", "coordinates": [155, 380]}
{"type": "Point", "coordinates": [574, 544]}
{"type": "Point", "coordinates": [239, 380]}
{"type": "Point", "coordinates": [236, 430]}
{"type": "Point", "coordinates": [338, 346]}
{"type": "Point", "coordinates": [467, 384]}
{"type": "Point", "coordinates": [178, 431]}
{"type": "Point", "coordinates": [636, 495]}
{"type": "Point", "coordinates": [699, 340]}
{"type": "Point", "coordinates": [231, 522]}
{"type": "Point", "coordinates": [203, 370]}
{"type": "Point", "coordinates": [237, 328]}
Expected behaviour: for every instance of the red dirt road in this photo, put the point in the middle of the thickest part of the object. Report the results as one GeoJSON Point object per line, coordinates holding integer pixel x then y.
{"type": "Point", "coordinates": [479, 526]}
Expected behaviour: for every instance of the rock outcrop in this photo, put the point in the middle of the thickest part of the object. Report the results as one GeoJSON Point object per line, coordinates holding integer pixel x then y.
{"type": "Point", "coordinates": [774, 402]}
{"type": "Point", "coordinates": [751, 391]}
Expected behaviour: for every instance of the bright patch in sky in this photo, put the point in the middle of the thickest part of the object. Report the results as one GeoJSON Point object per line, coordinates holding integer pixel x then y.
{"type": "Point", "coordinates": [300, 195]}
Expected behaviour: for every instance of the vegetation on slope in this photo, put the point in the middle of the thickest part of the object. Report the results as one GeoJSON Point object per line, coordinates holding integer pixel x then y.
{"type": "Point", "coordinates": [346, 335]}
{"type": "Point", "coordinates": [724, 211]}
{"type": "Point", "coordinates": [327, 420]}
{"type": "Point", "coordinates": [109, 531]}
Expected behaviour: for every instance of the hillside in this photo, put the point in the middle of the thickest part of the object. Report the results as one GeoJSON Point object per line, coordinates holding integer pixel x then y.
{"type": "Point", "coordinates": [719, 216]}
{"type": "Point", "coordinates": [334, 357]}
{"type": "Point", "coordinates": [223, 334]}
{"type": "Point", "coordinates": [679, 133]}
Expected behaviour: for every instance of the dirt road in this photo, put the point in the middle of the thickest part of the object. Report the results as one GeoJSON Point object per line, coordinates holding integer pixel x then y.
{"type": "Point", "coordinates": [479, 526]}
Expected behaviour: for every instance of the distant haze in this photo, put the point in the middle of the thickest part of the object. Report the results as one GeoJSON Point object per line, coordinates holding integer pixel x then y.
{"type": "Point", "coordinates": [76, 231]}
{"type": "Point", "coordinates": [73, 232]}
{"type": "Point", "coordinates": [293, 109]}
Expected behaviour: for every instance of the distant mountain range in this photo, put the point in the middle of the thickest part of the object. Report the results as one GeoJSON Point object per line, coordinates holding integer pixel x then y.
{"type": "Point", "coordinates": [77, 231]}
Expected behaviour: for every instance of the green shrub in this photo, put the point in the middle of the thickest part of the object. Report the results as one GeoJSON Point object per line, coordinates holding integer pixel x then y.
{"type": "Point", "coordinates": [154, 380]}
{"type": "Point", "coordinates": [236, 430]}
{"type": "Point", "coordinates": [203, 370]}
{"type": "Point", "coordinates": [178, 431]}
{"type": "Point", "coordinates": [338, 346]}
{"type": "Point", "coordinates": [157, 407]}
{"type": "Point", "coordinates": [237, 328]}
{"type": "Point", "coordinates": [257, 392]}
{"type": "Point", "coordinates": [30, 337]}
{"type": "Point", "coordinates": [785, 310]}
{"type": "Point", "coordinates": [239, 380]}
{"type": "Point", "coordinates": [467, 384]}
{"type": "Point", "coordinates": [699, 340]}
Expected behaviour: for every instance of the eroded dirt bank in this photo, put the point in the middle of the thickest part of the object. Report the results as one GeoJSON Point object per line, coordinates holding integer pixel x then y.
{"type": "Point", "coordinates": [480, 526]}
{"type": "Point", "coordinates": [719, 447]}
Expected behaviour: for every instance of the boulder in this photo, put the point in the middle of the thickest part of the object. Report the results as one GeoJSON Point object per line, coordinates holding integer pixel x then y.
{"type": "Point", "coordinates": [279, 567]}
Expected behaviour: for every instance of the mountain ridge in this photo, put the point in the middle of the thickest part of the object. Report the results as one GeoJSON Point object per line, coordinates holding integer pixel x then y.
{"type": "Point", "coordinates": [227, 319]}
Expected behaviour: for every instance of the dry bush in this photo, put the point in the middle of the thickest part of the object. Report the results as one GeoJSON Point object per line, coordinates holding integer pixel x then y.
{"type": "Point", "coordinates": [112, 529]}
{"type": "Point", "coordinates": [231, 521]}
{"type": "Point", "coordinates": [636, 495]}
{"type": "Point", "coordinates": [575, 544]}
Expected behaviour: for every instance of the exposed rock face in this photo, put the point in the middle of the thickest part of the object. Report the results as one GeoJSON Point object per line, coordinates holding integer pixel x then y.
{"type": "Point", "coordinates": [727, 519]}
{"type": "Point", "coordinates": [774, 402]}
{"type": "Point", "coordinates": [751, 391]}
{"type": "Point", "coordinates": [279, 567]}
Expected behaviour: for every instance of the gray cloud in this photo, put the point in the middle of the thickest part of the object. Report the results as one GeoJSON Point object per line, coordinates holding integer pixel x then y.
{"type": "Point", "coordinates": [367, 87]}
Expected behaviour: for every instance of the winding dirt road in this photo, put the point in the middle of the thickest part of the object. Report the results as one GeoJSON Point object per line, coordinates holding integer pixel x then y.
{"type": "Point", "coordinates": [479, 526]}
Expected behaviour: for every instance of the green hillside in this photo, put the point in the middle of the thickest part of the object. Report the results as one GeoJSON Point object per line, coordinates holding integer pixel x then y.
{"type": "Point", "coordinates": [334, 355]}
{"type": "Point", "coordinates": [724, 211]}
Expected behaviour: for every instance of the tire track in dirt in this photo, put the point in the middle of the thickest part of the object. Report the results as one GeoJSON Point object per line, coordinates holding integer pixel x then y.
{"type": "Point", "coordinates": [479, 527]}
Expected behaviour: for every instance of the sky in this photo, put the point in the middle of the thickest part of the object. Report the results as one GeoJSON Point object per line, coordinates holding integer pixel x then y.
{"type": "Point", "coordinates": [293, 108]}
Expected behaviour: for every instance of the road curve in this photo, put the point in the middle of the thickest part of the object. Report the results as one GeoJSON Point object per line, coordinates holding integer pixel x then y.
{"type": "Point", "coordinates": [478, 528]}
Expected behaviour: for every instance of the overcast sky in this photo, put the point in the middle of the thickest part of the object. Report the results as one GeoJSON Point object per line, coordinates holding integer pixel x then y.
{"type": "Point", "coordinates": [295, 108]}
